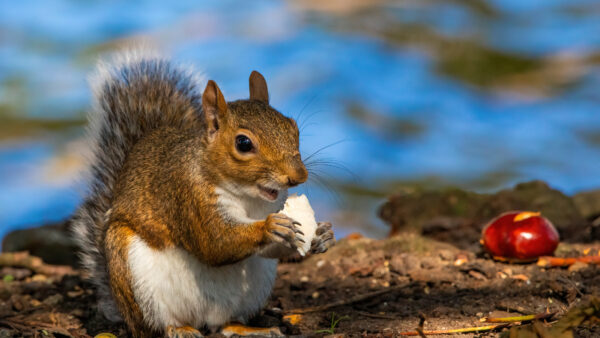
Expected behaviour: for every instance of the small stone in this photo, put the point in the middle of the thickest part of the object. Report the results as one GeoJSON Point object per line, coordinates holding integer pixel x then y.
{"type": "Point", "coordinates": [73, 294]}
{"type": "Point", "coordinates": [304, 279]}
{"type": "Point", "coordinates": [577, 266]}
{"type": "Point", "coordinates": [35, 303]}
{"type": "Point", "coordinates": [411, 262]}
{"type": "Point", "coordinates": [53, 300]}
{"type": "Point", "coordinates": [521, 277]}
{"type": "Point", "coordinates": [320, 263]}
{"type": "Point", "coordinates": [477, 275]}
{"type": "Point", "coordinates": [446, 255]}
{"type": "Point", "coordinates": [397, 265]}
{"type": "Point", "coordinates": [428, 262]}
{"type": "Point", "coordinates": [78, 313]}
{"type": "Point", "coordinates": [380, 271]}
{"type": "Point", "coordinates": [276, 310]}
{"type": "Point", "coordinates": [315, 295]}
{"type": "Point", "coordinates": [39, 278]}
{"type": "Point", "coordinates": [17, 304]}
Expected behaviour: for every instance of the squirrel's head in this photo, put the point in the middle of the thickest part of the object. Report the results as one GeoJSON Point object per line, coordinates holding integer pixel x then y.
{"type": "Point", "coordinates": [252, 145]}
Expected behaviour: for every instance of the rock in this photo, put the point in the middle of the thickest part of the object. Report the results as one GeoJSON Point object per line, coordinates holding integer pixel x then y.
{"type": "Point", "coordinates": [53, 300]}
{"type": "Point", "coordinates": [429, 262]}
{"type": "Point", "coordinates": [397, 265]}
{"type": "Point", "coordinates": [457, 216]}
{"type": "Point", "coordinates": [588, 203]}
{"type": "Point", "coordinates": [447, 255]}
{"type": "Point", "coordinates": [52, 243]}
{"type": "Point", "coordinates": [413, 210]}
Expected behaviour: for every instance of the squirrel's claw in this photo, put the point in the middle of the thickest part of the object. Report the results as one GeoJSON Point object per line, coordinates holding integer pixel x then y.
{"type": "Point", "coordinates": [283, 239]}
{"type": "Point", "coordinates": [283, 229]}
{"type": "Point", "coordinates": [183, 332]}
{"type": "Point", "coordinates": [324, 238]}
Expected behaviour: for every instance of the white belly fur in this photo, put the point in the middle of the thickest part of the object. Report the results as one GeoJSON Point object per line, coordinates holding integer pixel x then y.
{"type": "Point", "coordinates": [174, 288]}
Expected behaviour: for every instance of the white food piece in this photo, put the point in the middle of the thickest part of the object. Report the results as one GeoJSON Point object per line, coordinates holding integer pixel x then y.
{"type": "Point", "coordinates": [298, 208]}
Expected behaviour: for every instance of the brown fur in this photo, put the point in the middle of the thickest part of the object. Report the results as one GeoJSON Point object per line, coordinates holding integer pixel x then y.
{"type": "Point", "coordinates": [117, 241]}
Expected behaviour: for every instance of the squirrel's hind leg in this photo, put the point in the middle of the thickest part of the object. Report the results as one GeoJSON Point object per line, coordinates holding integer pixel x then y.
{"type": "Point", "coordinates": [118, 238]}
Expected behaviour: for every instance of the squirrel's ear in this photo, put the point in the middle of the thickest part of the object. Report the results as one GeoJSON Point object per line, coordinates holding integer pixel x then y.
{"type": "Point", "coordinates": [258, 87]}
{"type": "Point", "coordinates": [214, 106]}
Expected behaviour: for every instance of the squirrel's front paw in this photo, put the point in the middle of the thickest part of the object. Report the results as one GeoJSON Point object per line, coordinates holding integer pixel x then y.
{"type": "Point", "coordinates": [324, 238]}
{"type": "Point", "coordinates": [284, 230]}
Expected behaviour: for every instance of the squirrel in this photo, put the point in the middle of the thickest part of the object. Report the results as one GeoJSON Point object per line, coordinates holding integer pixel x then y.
{"type": "Point", "coordinates": [180, 229]}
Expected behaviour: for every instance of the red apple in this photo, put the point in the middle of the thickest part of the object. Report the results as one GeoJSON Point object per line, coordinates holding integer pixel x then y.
{"type": "Point", "coordinates": [523, 235]}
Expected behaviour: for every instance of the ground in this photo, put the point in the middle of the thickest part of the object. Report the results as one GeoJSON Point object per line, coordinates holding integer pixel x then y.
{"type": "Point", "coordinates": [376, 287]}
{"type": "Point", "coordinates": [430, 275]}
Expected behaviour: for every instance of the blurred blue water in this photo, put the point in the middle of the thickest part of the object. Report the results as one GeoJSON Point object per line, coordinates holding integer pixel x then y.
{"type": "Point", "coordinates": [382, 78]}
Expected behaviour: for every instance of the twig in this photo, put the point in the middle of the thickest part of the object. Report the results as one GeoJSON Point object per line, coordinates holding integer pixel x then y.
{"type": "Point", "coordinates": [549, 261]}
{"type": "Point", "coordinates": [23, 259]}
{"type": "Point", "coordinates": [517, 318]}
{"type": "Point", "coordinates": [502, 306]}
{"type": "Point", "coordinates": [42, 306]}
{"type": "Point", "coordinates": [376, 315]}
{"type": "Point", "coordinates": [21, 324]}
{"type": "Point", "coordinates": [348, 301]}
{"type": "Point", "coordinates": [566, 280]}
{"type": "Point", "coordinates": [461, 330]}
{"type": "Point", "coordinates": [421, 325]}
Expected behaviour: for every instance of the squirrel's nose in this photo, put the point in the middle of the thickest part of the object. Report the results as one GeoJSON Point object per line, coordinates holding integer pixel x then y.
{"type": "Point", "coordinates": [298, 176]}
{"type": "Point", "coordinates": [292, 182]}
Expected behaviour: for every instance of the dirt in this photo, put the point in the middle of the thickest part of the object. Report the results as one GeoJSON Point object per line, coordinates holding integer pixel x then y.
{"type": "Point", "coordinates": [375, 287]}
{"type": "Point", "coordinates": [431, 275]}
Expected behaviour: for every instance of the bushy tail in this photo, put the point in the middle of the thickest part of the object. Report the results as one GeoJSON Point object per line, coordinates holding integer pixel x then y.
{"type": "Point", "coordinates": [132, 96]}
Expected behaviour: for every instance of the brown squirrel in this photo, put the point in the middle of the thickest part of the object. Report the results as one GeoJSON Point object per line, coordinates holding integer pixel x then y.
{"type": "Point", "coordinates": [181, 226]}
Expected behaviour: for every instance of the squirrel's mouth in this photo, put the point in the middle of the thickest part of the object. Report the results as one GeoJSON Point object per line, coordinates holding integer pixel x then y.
{"type": "Point", "coordinates": [268, 193]}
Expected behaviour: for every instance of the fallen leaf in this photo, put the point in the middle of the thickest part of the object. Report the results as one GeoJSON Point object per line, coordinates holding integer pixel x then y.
{"type": "Point", "coordinates": [292, 319]}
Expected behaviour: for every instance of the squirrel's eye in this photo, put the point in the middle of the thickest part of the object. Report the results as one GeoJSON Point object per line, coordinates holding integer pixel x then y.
{"type": "Point", "coordinates": [243, 144]}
